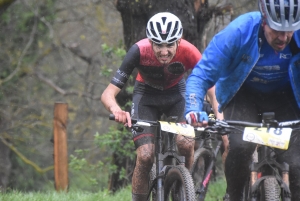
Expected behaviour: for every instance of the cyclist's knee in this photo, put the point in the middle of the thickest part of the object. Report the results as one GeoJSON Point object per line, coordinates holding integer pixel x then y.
{"type": "Point", "coordinates": [185, 145]}
{"type": "Point", "coordinates": [145, 155]}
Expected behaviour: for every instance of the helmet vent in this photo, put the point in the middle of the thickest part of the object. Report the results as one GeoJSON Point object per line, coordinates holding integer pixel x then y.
{"type": "Point", "coordinates": [158, 27]}
{"type": "Point", "coordinates": [152, 30]}
{"type": "Point", "coordinates": [163, 20]}
{"type": "Point", "coordinates": [175, 29]}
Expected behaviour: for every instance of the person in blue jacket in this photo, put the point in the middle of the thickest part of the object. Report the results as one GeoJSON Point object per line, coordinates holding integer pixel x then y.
{"type": "Point", "coordinates": [255, 65]}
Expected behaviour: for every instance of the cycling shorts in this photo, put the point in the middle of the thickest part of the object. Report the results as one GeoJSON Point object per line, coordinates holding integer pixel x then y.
{"type": "Point", "coordinates": [150, 104]}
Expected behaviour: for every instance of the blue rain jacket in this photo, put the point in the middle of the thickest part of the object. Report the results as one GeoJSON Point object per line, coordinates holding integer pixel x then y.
{"type": "Point", "coordinates": [228, 60]}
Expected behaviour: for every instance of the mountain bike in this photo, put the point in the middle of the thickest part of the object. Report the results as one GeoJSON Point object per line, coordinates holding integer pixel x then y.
{"type": "Point", "coordinates": [169, 178]}
{"type": "Point", "coordinates": [207, 147]}
{"type": "Point", "coordinates": [205, 158]}
{"type": "Point", "coordinates": [268, 180]}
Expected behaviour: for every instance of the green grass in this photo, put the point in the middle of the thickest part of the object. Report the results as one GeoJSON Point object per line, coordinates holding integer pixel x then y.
{"type": "Point", "coordinates": [216, 190]}
{"type": "Point", "coordinates": [215, 193]}
{"type": "Point", "coordinates": [124, 195]}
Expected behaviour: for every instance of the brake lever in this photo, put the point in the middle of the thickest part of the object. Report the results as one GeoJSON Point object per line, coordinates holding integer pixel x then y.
{"type": "Point", "coordinates": [223, 124]}
{"type": "Point", "coordinates": [137, 128]}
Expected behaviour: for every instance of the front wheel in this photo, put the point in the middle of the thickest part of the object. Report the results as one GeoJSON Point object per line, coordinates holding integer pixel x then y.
{"type": "Point", "coordinates": [178, 185]}
{"type": "Point", "coordinates": [271, 189]}
{"type": "Point", "coordinates": [202, 159]}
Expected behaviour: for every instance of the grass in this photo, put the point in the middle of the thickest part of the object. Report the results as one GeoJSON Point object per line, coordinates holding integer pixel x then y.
{"type": "Point", "coordinates": [215, 193]}
{"type": "Point", "coordinates": [124, 195]}
{"type": "Point", "coordinates": [216, 190]}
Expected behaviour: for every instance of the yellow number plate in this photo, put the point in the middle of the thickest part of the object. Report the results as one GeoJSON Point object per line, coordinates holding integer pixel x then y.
{"type": "Point", "coordinates": [272, 137]}
{"type": "Point", "coordinates": [178, 128]}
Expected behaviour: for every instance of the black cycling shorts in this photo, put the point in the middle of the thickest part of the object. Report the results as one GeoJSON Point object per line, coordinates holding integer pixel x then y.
{"type": "Point", "coordinates": [150, 104]}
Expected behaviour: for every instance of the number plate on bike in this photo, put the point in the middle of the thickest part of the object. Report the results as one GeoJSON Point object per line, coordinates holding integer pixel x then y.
{"type": "Point", "coordinates": [272, 137]}
{"type": "Point", "coordinates": [178, 128]}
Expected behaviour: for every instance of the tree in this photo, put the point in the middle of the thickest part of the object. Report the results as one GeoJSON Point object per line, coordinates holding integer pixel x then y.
{"type": "Point", "coordinates": [41, 63]}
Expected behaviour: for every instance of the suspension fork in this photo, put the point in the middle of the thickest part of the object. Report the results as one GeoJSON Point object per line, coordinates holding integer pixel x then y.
{"type": "Point", "coordinates": [265, 160]}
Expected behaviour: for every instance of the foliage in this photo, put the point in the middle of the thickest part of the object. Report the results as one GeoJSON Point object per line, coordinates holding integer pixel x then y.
{"type": "Point", "coordinates": [29, 179]}
{"type": "Point", "coordinates": [216, 190]}
{"type": "Point", "coordinates": [116, 54]}
{"type": "Point", "coordinates": [84, 174]}
{"type": "Point", "coordinates": [22, 122]}
{"type": "Point", "coordinates": [118, 141]}
{"type": "Point", "coordinates": [35, 39]}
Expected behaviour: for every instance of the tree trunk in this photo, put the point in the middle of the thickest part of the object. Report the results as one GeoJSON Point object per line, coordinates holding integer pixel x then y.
{"type": "Point", "coordinates": [135, 15]}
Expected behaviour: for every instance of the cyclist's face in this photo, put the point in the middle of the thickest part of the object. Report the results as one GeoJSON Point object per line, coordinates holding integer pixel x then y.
{"type": "Point", "coordinates": [277, 39]}
{"type": "Point", "coordinates": [164, 52]}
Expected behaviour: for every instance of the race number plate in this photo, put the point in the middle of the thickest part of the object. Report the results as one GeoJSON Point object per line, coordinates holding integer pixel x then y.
{"type": "Point", "coordinates": [178, 128]}
{"type": "Point", "coordinates": [272, 137]}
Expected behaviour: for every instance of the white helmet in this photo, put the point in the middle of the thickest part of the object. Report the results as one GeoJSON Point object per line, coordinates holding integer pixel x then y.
{"type": "Point", "coordinates": [164, 28]}
{"type": "Point", "coordinates": [281, 15]}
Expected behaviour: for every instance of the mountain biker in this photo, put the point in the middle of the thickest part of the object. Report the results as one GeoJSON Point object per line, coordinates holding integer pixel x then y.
{"type": "Point", "coordinates": [254, 63]}
{"type": "Point", "coordinates": [161, 60]}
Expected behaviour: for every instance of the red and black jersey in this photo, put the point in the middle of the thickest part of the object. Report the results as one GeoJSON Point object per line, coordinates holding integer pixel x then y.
{"type": "Point", "coordinates": [151, 71]}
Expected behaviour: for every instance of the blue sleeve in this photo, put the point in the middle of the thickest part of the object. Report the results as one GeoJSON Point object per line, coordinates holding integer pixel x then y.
{"type": "Point", "coordinates": [216, 63]}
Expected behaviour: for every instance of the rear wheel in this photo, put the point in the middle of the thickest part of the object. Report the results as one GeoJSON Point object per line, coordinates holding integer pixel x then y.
{"type": "Point", "coordinates": [178, 185]}
{"type": "Point", "coordinates": [202, 160]}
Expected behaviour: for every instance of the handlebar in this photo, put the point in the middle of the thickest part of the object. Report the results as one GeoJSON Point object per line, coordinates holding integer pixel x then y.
{"type": "Point", "coordinates": [275, 123]}
{"type": "Point", "coordinates": [221, 127]}
{"type": "Point", "coordinates": [140, 122]}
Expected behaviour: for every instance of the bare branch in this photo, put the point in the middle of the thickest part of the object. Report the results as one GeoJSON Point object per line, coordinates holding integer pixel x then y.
{"type": "Point", "coordinates": [25, 159]}
{"type": "Point", "coordinates": [49, 27]}
{"type": "Point", "coordinates": [74, 48]}
{"type": "Point", "coordinates": [29, 43]}
{"type": "Point", "coordinates": [62, 91]}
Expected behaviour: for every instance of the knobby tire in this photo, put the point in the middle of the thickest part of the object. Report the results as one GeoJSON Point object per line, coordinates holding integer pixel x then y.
{"type": "Point", "coordinates": [271, 189]}
{"type": "Point", "coordinates": [178, 185]}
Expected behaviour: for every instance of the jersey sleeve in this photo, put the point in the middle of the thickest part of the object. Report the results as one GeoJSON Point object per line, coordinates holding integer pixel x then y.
{"type": "Point", "coordinates": [216, 61]}
{"type": "Point", "coordinates": [130, 61]}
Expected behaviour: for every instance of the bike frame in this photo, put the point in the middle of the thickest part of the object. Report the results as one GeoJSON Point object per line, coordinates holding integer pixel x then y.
{"type": "Point", "coordinates": [267, 166]}
{"type": "Point", "coordinates": [167, 175]}
{"type": "Point", "coordinates": [161, 168]}
{"type": "Point", "coordinates": [207, 175]}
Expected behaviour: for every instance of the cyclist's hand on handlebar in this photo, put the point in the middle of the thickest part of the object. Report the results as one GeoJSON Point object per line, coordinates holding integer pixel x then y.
{"type": "Point", "coordinates": [122, 117]}
{"type": "Point", "coordinates": [197, 119]}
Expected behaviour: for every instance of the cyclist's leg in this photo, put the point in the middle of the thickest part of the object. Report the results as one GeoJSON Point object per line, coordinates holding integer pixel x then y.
{"type": "Point", "coordinates": [186, 149]}
{"type": "Point", "coordinates": [144, 161]}
{"type": "Point", "coordinates": [292, 157]}
{"type": "Point", "coordinates": [240, 152]}
{"type": "Point", "coordinates": [288, 110]}
{"type": "Point", "coordinates": [144, 142]}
